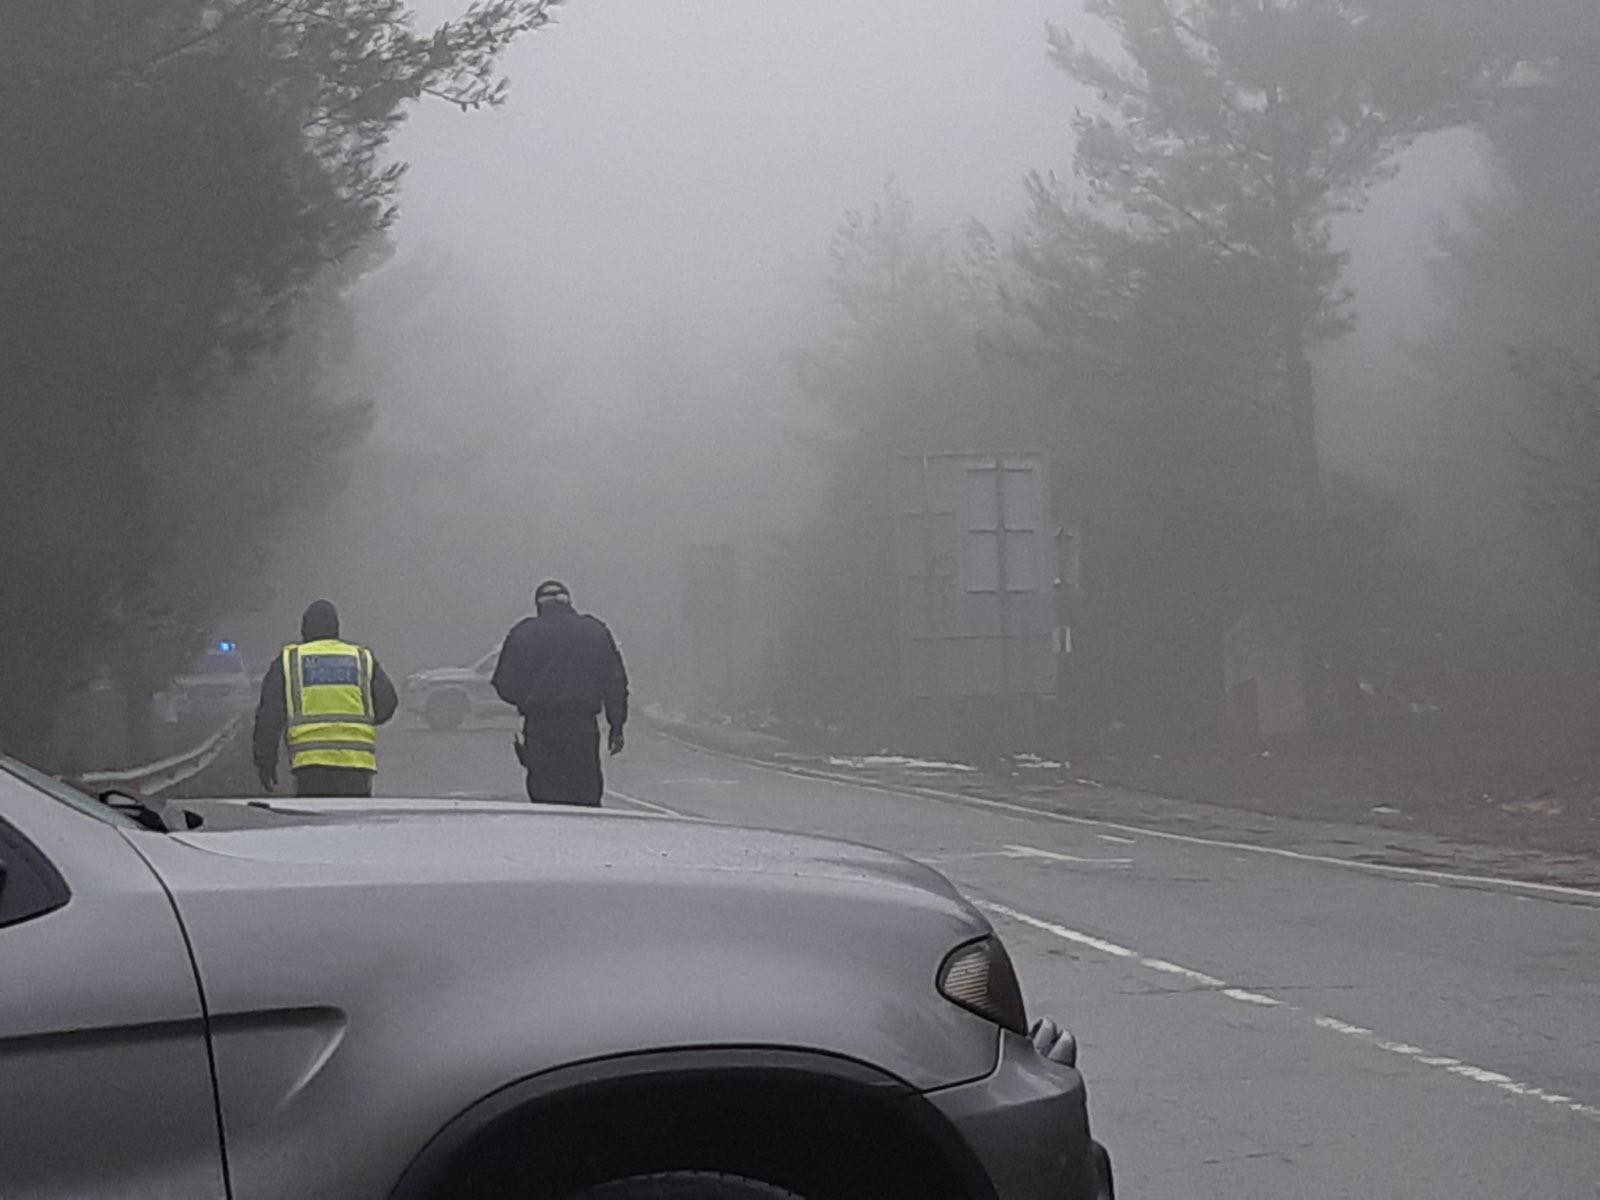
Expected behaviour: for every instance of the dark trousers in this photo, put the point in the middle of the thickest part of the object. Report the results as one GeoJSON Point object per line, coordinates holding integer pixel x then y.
{"type": "Point", "coordinates": [562, 755]}
{"type": "Point", "coordinates": [332, 781]}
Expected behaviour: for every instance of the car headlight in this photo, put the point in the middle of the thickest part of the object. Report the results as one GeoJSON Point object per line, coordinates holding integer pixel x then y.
{"type": "Point", "coordinates": [980, 978]}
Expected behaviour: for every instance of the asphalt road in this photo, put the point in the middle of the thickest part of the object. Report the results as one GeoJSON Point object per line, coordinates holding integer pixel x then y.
{"type": "Point", "coordinates": [1254, 1026]}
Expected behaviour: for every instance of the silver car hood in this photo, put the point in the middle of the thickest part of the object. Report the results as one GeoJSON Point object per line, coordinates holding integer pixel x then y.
{"type": "Point", "coordinates": [416, 841]}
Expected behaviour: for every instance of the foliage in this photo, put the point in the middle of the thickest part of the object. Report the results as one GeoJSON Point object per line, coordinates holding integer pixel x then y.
{"type": "Point", "coordinates": [1162, 364]}
{"type": "Point", "coordinates": [1521, 275]}
{"type": "Point", "coordinates": [905, 366]}
{"type": "Point", "coordinates": [1563, 481]}
{"type": "Point", "coordinates": [1233, 135]}
{"type": "Point", "coordinates": [191, 187]}
{"type": "Point", "coordinates": [1547, 221]}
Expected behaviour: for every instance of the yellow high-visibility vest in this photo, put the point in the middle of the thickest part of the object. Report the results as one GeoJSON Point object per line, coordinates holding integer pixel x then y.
{"type": "Point", "coordinates": [328, 693]}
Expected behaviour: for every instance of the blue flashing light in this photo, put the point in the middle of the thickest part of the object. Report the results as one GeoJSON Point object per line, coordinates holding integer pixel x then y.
{"type": "Point", "coordinates": [227, 647]}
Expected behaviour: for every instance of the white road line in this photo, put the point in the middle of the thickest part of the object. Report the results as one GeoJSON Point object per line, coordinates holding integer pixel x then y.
{"type": "Point", "coordinates": [1244, 997]}
{"type": "Point", "coordinates": [911, 792]}
{"type": "Point", "coordinates": [1057, 856]}
{"type": "Point", "coordinates": [649, 805]}
{"type": "Point", "coordinates": [1117, 841]}
{"type": "Point", "coordinates": [1171, 968]}
{"type": "Point", "coordinates": [1456, 1067]}
{"type": "Point", "coordinates": [965, 856]}
{"type": "Point", "coordinates": [1061, 931]}
{"type": "Point", "coordinates": [1416, 1054]}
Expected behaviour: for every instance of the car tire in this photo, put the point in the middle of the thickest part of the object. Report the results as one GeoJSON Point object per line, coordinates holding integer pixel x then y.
{"type": "Point", "coordinates": [445, 710]}
{"type": "Point", "coordinates": [685, 1185]}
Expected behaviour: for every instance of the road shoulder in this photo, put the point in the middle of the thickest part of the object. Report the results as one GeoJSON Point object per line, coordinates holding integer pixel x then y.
{"type": "Point", "coordinates": [1367, 846]}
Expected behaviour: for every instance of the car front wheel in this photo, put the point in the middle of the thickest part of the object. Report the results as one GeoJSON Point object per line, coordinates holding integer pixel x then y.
{"type": "Point", "coordinates": [685, 1185]}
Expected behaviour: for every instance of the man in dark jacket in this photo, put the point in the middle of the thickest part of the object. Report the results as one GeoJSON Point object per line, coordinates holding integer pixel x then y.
{"type": "Point", "coordinates": [325, 698]}
{"type": "Point", "coordinates": [560, 669]}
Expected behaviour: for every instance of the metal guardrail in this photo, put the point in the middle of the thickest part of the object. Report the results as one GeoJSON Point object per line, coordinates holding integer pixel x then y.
{"type": "Point", "coordinates": [155, 778]}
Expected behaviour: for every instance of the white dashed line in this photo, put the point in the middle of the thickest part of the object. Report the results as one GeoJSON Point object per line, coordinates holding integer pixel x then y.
{"type": "Point", "coordinates": [1061, 931]}
{"type": "Point", "coordinates": [1169, 968]}
{"type": "Point", "coordinates": [1244, 997]}
{"type": "Point", "coordinates": [1115, 840]}
{"type": "Point", "coordinates": [1416, 1054]}
{"type": "Point", "coordinates": [1057, 856]}
{"type": "Point", "coordinates": [648, 805]}
{"type": "Point", "coordinates": [1456, 1067]}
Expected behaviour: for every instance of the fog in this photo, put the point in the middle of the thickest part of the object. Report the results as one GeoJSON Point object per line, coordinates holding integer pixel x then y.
{"type": "Point", "coordinates": [1137, 462]}
{"type": "Point", "coordinates": [666, 323]}
{"type": "Point", "coordinates": [627, 257]}
{"type": "Point", "coordinates": [634, 250]}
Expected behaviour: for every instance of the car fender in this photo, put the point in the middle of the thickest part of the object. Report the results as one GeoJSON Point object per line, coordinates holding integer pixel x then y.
{"type": "Point", "coordinates": [436, 1162]}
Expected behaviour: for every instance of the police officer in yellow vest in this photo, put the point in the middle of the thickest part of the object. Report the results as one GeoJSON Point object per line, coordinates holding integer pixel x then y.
{"type": "Point", "coordinates": [324, 699]}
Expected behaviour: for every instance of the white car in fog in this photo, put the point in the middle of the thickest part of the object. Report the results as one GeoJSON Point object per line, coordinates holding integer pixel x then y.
{"type": "Point", "coordinates": [445, 697]}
